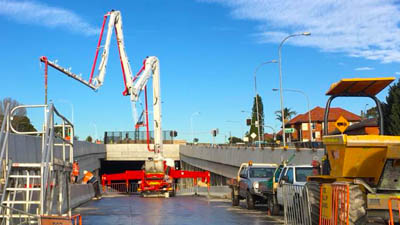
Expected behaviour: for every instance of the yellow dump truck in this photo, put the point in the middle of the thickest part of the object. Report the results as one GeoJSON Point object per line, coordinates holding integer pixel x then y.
{"type": "Point", "coordinates": [367, 166]}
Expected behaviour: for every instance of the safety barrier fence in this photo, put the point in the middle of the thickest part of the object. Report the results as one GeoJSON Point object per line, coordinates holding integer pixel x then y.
{"type": "Point", "coordinates": [134, 137]}
{"type": "Point", "coordinates": [296, 205]}
{"type": "Point", "coordinates": [76, 219]}
{"type": "Point", "coordinates": [121, 188]}
{"type": "Point", "coordinates": [180, 188]}
{"type": "Point", "coordinates": [397, 200]}
{"type": "Point", "coordinates": [334, 204]}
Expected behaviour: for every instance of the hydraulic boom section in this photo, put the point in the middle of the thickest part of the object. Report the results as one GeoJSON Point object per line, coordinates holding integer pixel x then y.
{"type": "Point", "coordinates": [114, 23]}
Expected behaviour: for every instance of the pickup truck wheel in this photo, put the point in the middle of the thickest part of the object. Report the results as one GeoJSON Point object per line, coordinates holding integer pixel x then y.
{"type": "Point", "coordinates": [235, 199]}
{"type": "Point", "coordinates": [249, 200]}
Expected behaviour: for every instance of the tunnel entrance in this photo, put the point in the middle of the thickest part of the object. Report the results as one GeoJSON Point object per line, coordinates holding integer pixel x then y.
{"type": "Point", "coordinates": [110, 167]}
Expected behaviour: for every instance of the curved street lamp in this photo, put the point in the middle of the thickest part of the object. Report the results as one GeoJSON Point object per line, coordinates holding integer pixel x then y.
{"type": "Point", "coordinates": [280, 80]}
{"type": "Point", "coordinates": [255, 89]}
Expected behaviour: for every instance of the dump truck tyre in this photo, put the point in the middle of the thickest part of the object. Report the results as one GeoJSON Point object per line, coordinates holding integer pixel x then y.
{"type": "Point", "coordinates": [314, 190]}
{"type": "Point", "coordinates": [235, 199]}
{"type": "Point", "coordinates": [358, 212]}
{"type": "Point", "coordinates": [249, 200]}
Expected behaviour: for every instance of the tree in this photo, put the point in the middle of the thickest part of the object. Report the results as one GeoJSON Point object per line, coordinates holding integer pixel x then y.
{"type": "Point", "coordinates": [288, 112]}
{"type": "Point", "coordinates": [234, 140]}
{"type": "Point", "coordinates": [20, 120]}
{"type": "Point", "coordinates": [254, 118]}
{"type": "Point", "coordinates": [371, 113]}
{"type": "Point", "coordinates": [392, 110]}
{"type": "Point", "coordinates": [89, 139]}
{"type": "Point", "coordinates": [12, 103]}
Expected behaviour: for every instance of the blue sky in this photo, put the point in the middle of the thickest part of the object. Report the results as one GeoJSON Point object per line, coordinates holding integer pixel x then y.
{"type": "Point", "coordinates": [208, 51]}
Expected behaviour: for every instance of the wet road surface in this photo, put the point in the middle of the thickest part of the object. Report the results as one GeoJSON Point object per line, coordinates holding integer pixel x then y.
{"type": "Point", "coordinates": [129, 210]}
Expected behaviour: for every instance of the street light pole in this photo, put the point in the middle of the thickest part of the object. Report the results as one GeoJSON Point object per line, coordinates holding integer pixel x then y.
{"type": "Point", "coordinates": [308, 106]}
{"type": "Point", "coordinates": [191, 123]}
{"type": "Point", "coordinates": [257, 108]}
{"type": "Point", "coordinates": [280, 81]}
{"type": "Point", "coordinates": [365, 111]}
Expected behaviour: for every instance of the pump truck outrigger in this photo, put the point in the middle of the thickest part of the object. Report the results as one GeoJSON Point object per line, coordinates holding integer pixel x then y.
{"type": "Point", "coordinates": [158, 173]}
{"type": "Point", "coordinates": [361, 171]}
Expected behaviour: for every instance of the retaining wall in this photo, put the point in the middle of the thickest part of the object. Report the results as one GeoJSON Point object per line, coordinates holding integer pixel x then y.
{"type": "Point", "coordinates": [225, 161]}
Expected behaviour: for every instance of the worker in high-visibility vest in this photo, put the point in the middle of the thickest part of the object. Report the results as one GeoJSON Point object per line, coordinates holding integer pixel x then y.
{"type": "Point", "coordinates": [75, 172]}
{"type": "Point", "coordinates": [90, 178]}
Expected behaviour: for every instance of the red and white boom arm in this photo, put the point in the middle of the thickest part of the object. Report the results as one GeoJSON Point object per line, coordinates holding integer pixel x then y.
{"type": "Point", "coordinates": [133, 85]}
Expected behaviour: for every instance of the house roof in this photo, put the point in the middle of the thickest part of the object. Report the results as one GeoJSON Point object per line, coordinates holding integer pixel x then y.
{"type": "Point", "coordinates": [317, 115]}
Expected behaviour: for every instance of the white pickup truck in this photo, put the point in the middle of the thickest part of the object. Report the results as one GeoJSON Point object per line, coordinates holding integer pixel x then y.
{"type": "Point", "coordinates": [291, 174]}
{"type": "Point", "coordinates": [273, 188]}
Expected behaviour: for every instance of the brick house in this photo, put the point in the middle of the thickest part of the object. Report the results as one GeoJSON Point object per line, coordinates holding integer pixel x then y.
{"type": "Point", "coordinates": [301, 123]}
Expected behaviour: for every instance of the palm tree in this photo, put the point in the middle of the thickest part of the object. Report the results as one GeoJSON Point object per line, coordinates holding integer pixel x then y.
{"type": "Point", "coordinates": [288, 114]}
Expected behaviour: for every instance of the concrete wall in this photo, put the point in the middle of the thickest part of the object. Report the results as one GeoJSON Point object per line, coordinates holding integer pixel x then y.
{"type": "Point", "coordinates": [138, 152]}
{"type": "Point", "coordinates": [26, 148]}
{"type": "Point", "coordinates": [226, 161]}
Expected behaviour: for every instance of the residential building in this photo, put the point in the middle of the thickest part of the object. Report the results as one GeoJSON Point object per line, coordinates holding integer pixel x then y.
{"type": "Point", "coordinates": [301, 123]}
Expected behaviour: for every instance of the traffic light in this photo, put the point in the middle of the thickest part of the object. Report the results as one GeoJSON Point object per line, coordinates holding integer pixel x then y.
{"type": "Point", "coordinates": [214, 133]}
{"type": "Point", "coordinates": [248, 122]}
{"type": "Point", "coordinates": [173, 133]}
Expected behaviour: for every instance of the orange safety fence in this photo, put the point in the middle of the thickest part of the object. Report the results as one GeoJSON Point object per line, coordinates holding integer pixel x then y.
{"type": "Point", "coordinates": [397, 199]}
{"type": "Point", "coordinates": [76, 219]}
{"type": "Point", "coordinates": [334, 204]}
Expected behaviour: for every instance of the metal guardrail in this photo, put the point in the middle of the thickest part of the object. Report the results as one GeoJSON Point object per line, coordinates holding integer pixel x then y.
{"type": "Point", "coordinates": [18, 216]}
{"type": "Point", "coordinates": [297, 209]}
{"type": "Point", "coordinates": [51, 165]}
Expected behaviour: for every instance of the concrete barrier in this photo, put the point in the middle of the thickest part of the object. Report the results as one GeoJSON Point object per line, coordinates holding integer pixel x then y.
{"type": "Point", "coordinates": [214, 192]}
{"type": "Point", "coordinates": [81, 193]}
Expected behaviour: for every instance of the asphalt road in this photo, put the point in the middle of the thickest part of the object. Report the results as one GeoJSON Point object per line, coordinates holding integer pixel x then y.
{"type": "Point", "coordinates": [129, 210]}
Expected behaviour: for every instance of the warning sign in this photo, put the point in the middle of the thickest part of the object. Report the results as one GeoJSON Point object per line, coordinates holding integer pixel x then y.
{"type": "Point", "coordinates": [341, 124]}
{"type": "Point", "coordinates": [326, 201]}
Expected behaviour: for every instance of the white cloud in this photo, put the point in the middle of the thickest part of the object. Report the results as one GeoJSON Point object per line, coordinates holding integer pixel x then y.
{"type": "Point", "coordinates": [364, 68]}
{"type": "Point", "coordinates": [397, 73]}
{"type": "Point", "coordinates": [30, 12]}
{"type": "Point", "coordinates": [367, 28]}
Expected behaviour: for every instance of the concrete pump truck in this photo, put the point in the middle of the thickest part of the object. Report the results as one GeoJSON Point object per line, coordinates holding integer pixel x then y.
{"type": "Point", "coordinates": [158, 173]}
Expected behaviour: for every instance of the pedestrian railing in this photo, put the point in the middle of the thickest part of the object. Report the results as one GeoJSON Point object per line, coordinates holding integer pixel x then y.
{"type": "Point", "coordinates": [296, 205]}
{"type": "Point", "coordinates": [15, 216]}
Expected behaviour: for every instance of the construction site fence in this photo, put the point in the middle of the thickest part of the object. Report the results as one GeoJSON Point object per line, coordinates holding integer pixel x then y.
{"type": "Point", "coordinates": [334, 204]}
{"type": "Point", "coordinates": [392, 210]}
{"type": "Point", "coordinates": [297, 210]}
{"type": "Point", "coordinates": [134, 137]}
{"type": "Point", "coordinates": [180, 188]}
